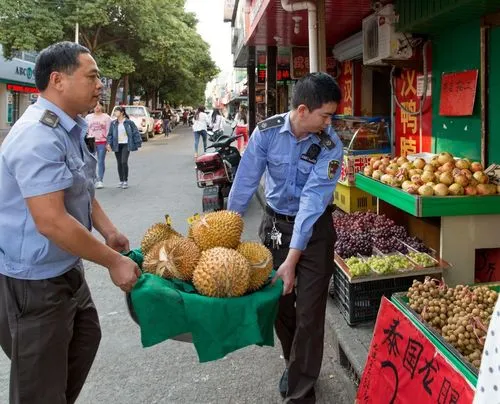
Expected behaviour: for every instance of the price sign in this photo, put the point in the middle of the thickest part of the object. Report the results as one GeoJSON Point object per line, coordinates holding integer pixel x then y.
{"type": "Point", "coordinates": [458, 92]}
{"type": "Point", "coordinates": [403, 366]}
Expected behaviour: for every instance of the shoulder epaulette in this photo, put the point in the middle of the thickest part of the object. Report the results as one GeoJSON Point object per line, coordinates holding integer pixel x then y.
{"type": "Point", "coordinates": [273, 122]}
{"type": "Point", "coordinates": [325, 140]}
{"type": "Point", "coordinates": [49, 118]}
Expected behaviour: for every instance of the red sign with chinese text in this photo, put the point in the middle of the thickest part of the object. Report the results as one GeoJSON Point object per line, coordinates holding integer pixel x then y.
{"type": "Point", "coordinates": [458, 92]}
{"type": "Point", "coordinates": [300, 62]}
{"type": "Point", "coordinates": [346, 83]}
{"type": "Point", "coordinates": [22, 89]}
{"type": "Point", "coordinates": [403, 366]}
{"type": "Point", "coordinates": [407, 126]}
{"type": "Point", "coordinates": [487, 268]}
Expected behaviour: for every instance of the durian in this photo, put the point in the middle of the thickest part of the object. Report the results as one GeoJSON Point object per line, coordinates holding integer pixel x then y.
{"type": "Point", "coordinates": [176, 257]}
{"type": "Point", "coordinates": [156, 233]}
{"type": "Point", "coordinates": [217, 229]}
{"type": "Point", "coordinates": [260, 260]}
{"type": "Point", "coordinates": [222, 272]}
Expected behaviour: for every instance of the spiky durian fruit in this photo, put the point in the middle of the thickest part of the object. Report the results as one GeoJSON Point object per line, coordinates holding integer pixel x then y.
{"type": "Point", "coordinates": [217, 229]}
{"type": "Point", "coordinates": [222, 272]}
{"type": "Point", "coordinates": [156, 233]}
{"type": "Point", "coordinates": [176, 257]}
{"type": "Point", "coordinates": [260, 260]}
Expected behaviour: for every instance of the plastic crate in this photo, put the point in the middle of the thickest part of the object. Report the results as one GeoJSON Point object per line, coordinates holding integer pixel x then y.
{"type": "Point", "coordinates": [351, 199]}
{"type": "Point", "coordinates": [359, 302]}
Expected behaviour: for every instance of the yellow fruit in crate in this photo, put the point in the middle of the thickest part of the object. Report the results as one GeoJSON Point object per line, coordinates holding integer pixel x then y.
{"type": "Point", "coordinates": [260, 260]}
{"type": "Point", "coordinates": [217, 229]}
{"type": "Point", "coordinates": [176, 257]}
{"type": "Point", "coordinates": [222, 272]}
{"type": "Point", "coordinates": [156, 233]}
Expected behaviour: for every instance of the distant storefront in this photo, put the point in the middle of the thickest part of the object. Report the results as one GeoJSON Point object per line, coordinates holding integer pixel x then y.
{"type": "Point", "coordinates": [17, 87]}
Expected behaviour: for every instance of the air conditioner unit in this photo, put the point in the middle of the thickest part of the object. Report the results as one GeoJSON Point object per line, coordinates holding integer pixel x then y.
{"type": "Point", "coordinates": [350, 48]}
{"type": "Point", "coordinates": [380, 39]}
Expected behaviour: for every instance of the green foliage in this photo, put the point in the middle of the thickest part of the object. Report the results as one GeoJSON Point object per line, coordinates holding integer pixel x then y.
{"type": "Point", "coordinates": [153, 41]}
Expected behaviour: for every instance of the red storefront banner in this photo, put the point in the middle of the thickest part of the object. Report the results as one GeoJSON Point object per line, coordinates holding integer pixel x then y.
{"type": "Point", "coordinates": [403, 366]}
{"type": "Point", "coordinates": [300, 62]}
{"type": "Point", "coordinates": [458, 92]}
{"type": "Point", "coordinates": [407, 126]}
{"type": "Point", "coordinates": [346, 83]}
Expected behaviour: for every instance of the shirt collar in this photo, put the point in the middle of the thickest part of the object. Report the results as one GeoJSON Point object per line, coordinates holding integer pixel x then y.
{"type": "Point", "coordinates": [287, 127]}
{"type": "Point", "coordinates": [69, 124]}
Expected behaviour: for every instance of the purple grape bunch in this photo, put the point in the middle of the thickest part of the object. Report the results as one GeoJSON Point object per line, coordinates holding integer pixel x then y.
{"type": "Point", "coordinates": [359, 232]}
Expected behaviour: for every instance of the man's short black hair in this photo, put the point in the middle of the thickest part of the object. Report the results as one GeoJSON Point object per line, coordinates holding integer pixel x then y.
{"type": "Point", "coordinates": [315, 89]}
{"type": "Point", "coordinates": [59, 57]}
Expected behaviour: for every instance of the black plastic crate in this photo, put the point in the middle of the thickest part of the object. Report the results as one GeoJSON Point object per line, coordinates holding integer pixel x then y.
{"type": "Point", "coordinates": [359, 302]}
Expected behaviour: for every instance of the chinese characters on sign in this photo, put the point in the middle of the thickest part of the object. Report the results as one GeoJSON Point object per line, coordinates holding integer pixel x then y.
{"type": "Point", "coordinates": [458, 92]}
{"type": "Point", "coordinates": [420, 375]}
{"type": "Point", "coordinates": [346, 83]}
{"type": "Point", "coordinates": [261, 67]}
{"type": "Point", "coordinates": [300, 62]}
{"type": "Point", "coordinates": [407, 124]}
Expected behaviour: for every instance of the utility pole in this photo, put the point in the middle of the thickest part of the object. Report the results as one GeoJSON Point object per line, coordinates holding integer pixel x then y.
{"type": "Point", "coordinates": [77, 27]}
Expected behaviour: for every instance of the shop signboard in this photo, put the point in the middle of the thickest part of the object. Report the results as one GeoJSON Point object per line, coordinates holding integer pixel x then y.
{"type": "Point", "coordinates": [261, 67]}
{"type": "Point", "coordinates": [21, 89]}
{"type": "Point", "coordinates": [300, 62]}
{"type": "Point", "coordinates": [283, 66]}
{"type": "Point", "coordinates": [10, 108]}
{"type": "Point", "coordinates": [407, 125]}
{"type": "Point", "coordinates": [458, 93]}
{"type": "Point", "coordinates": [17, 70]}
{"type": "Point", "coordinates": [404, 366]}
{"type": "Point", "coordinates": [346, 83]}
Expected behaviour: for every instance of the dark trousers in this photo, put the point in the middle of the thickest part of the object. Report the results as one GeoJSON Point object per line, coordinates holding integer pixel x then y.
{"type": "Point", "coordinates": [50, 331]}
{"type": "Point", "coordinates": [300, 324]}
{"type": "Point", "coordinates": [122, 160]}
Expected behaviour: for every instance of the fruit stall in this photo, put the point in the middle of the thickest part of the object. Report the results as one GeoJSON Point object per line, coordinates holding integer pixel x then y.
{"type": "Point", "coordinates": [375, 257]}
{"type": "Point", "coordinates": [363, 138]}
{"type": "Point", "coordinates": [429, 341]}
{"type": "Point", "coordinates": [451, 203]}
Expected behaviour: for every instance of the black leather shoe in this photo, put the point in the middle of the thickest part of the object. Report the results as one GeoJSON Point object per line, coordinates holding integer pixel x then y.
{"type": "Point", "coordinates": [283, 386]}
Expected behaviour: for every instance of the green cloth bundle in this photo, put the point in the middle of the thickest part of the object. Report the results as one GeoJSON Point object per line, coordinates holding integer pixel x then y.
{"type": "Point", "coordinates": [167, 308]}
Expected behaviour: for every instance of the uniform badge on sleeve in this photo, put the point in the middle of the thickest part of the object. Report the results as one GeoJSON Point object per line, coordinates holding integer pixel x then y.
{"type": "Point", "coordinates": [333, 166]}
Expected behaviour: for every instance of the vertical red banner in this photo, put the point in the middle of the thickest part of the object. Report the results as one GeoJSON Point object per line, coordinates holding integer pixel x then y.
{"type": "Point", "coordinates": [300, 62]}
{"type": "Point", "coordinates": [408, 89]}
{"type": "Point", "coordinates": [346, 83]}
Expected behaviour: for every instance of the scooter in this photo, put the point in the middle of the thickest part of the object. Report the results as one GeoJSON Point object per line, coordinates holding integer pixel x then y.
{"type": "Point", "coordinates": [217, 136]}
{"type": "Point", "coordinates": [215, 173]}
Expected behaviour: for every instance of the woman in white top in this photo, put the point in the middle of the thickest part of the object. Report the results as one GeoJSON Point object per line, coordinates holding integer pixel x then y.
{"type": "Point", "coordinates": [216, 124]}
{"type": "Point", "coordinates": [200, 126]}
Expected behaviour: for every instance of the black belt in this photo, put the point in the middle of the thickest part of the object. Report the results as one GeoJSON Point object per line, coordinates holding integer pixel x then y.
{"type": "Point", "coordinates": [279, 216]}
{"type": "Point", "coordinates": [291, 219]}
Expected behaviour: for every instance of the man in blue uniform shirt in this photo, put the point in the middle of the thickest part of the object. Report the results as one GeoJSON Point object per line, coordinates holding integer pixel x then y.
{"type": "Point", "coordinates": [302, 157]}
{"type": "Point", "coordinates": [49, 327]}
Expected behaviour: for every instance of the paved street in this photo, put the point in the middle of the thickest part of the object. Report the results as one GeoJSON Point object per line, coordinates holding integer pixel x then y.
{"type": "Point", "coordinates": [162, 181]}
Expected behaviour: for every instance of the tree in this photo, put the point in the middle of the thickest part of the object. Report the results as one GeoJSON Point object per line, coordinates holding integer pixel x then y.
{"type": "Point", "coordinates": [152, 42]}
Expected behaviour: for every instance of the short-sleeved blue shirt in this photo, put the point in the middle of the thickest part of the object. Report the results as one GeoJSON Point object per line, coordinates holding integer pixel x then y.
{"type": "Point", "coordinates": [36, 159]}
{"type": "Point", "coordinates": [295, 185]}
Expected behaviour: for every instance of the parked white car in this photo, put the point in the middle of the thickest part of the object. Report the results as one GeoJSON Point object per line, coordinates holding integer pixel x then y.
{"type": "Point", "coordinates": [142, 118]}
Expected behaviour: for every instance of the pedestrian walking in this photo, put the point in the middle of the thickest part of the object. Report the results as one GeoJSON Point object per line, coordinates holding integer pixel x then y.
{"type": "Point", "coordinates": [240, 126]}
{"type": "Point", "coordinates": [166, 115]}
{"type": "Point", "coordinates": [49, 327]}
{"type": "Point", "coordinates": [216, 123]}
{"type": "Point", "coordinates": [123, 138]}
{"type": "Point", "coordinates": [99, 123]}
{"type": "Point", "coordinates": [200, 125]}
{"type": "Point", "coordinates": [303, 157]}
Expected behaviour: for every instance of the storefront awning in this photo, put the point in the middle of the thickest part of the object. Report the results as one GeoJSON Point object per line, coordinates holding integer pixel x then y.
{"type": "Point", "coordinates": [268, 21]}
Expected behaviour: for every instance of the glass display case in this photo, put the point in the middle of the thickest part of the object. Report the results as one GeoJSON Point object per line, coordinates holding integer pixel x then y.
{"type": "Point", "coordinates": [363, 135]}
